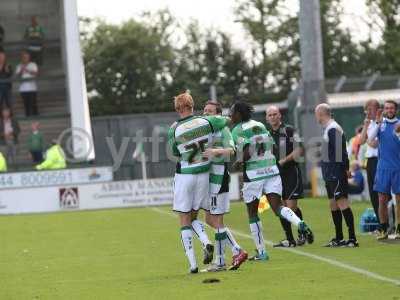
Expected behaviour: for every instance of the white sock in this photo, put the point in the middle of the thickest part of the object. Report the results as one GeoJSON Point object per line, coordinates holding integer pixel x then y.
{"type": "Point", "coordinates": [220, 242]}
{"type": "Point", "coordinates": [232, 242]}
{"type": "Point", "coordinates": [256, 232]}
{"type": "Point", "coordinates": [289, 215]}
{"type": "Point", "coordinates": [200, 231]}
{"type": "Point", "coordinates": [187, 243]}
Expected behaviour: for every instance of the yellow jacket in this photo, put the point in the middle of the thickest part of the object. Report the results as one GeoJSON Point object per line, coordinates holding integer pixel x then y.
{"type": "Point", "coordinates": [3, 163]}
{"type": "Point", "coordinates": [55, 159]}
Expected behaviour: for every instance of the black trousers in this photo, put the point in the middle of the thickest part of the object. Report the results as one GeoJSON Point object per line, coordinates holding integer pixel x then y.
{"type": "Point", "coordinates": [5, 96]}
{"type": "Point", "coordinates": [30, 103]}
{"type": "Point", "coordinates": [372, 163]}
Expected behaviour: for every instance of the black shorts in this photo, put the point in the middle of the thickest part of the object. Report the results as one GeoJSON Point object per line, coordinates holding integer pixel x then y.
{"type": "Point", "coordinates": [292, 183]}
{"type": "Point", "coordinates": [337, 189]}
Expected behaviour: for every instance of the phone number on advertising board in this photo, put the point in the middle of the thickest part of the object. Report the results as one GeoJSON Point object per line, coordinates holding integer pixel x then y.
{"type": "Point", "coordinates": [35, 179]}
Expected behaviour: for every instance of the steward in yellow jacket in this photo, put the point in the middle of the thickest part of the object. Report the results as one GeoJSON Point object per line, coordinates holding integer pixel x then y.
{"type": "Point", "coordinates": [55, 159]}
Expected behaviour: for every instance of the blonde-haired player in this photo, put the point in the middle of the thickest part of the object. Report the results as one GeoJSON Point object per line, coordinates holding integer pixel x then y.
{"type": "Point", "coordinates": [188, 139]}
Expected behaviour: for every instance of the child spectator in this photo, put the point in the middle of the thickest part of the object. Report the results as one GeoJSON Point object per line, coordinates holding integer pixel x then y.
{"type": "Point", "coordinates": [356, 182]}
{"type": "Point", "coordinates": [5, 82]}
{"type": "Point", "coordinates": [34, 37]}
{"type": "Point", "coordinates": [36, 143]}
{"type": "Point", "coordinates": [9, 132]}
{"type": "Point", "coordinates": [27, 71]}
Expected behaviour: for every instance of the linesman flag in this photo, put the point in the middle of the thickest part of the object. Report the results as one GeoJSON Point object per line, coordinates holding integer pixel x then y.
{"type": "Point", "coordinates": [263, 205]}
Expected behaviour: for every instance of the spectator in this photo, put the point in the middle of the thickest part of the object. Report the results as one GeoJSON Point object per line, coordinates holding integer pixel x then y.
{"type": "Point", "coordinates": [371, 109]}
{"type": "Point", "coordinates": [55, 158]}
{"type": "Point", "coordinates": [9, 132]}
{"type": "Point", "coordinates": [27, 71]}
{"type": "Point", "coordinates": [3, 163]}
{"type": "Point", "coordinates": [5, 82]}
{"type": "Point", "coordinates": [34, 37]}
{"type": "Point", "coordinates": [355, 143]}
{"type": "Point", "coordinates": [36, 143]}
{"type": "Point", "coordinates": [356, 182]}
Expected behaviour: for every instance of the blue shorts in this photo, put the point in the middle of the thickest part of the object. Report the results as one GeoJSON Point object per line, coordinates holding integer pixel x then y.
{"type": "Point", "coordinates": [387, 181]}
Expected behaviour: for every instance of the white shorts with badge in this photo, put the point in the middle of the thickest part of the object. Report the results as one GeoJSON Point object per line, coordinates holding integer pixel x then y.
{"type": "Point", "coordinates": [217, 204]}
{"type": "Point", "coordinates": [255, 189]}
{"type": "Point", "coordinates": [190, 190]}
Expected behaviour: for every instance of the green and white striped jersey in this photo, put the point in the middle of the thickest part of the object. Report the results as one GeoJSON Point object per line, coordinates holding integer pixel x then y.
{"type": "Point", "coordinates": [189, 137]}
{"type": "Point", "coordinates": [219, 175]}
{"type": "Point", "coordinates": [262, 163]}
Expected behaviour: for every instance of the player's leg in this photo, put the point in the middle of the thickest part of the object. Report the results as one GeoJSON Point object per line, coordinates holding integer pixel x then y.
{"type": "Point", "coordinates": [199, 229]}
{"type": "Point", "coordinates": [220, 241]}
{"type": "Point", "coordinates": [287, 228]}
{"type": "Point", "coordinates": [221, 208]}
{"type": "Point", "coordinates": [293, 205]}
{"type": "Point", "coordinates": [252, 192]}
{"type": "Point", "coordinates": [183, 204]}
{"type": "Point", "coordinates": [287, 189]}
{"type": "Point", "coordinates": [256, 230]}
{"type": "Point", "coordinates": [273, 190]}
{"type": "Point", "coordinates": [200, 192]}
{"type": "Point", "coordinates": [187, 240]}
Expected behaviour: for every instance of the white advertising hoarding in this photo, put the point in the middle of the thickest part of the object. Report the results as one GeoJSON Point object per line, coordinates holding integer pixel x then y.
{"type": "Point", "coordinates": [126, 193]}
{"type": "Point", "coordinates": [55, 177]}
{"type": "Point", "coordinates": [32, 200]}
{"type": "Point", "coordinates": [113, 194]}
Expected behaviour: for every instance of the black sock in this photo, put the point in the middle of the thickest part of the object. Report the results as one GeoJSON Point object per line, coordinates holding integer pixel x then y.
{"type": "Point", "coordinates": [349, 218]}
{"type": "Point", "coordinates": [337, 220]}
{"type": "Point", "coordinates": [287, 227]}
{"type": "Point", "coordinates": [299, 213]}
{"type": "Point", "coordinates": [384, 226]}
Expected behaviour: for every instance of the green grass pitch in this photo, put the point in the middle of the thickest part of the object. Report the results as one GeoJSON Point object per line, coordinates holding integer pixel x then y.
{"type": "Point", "coordinates": [137, 254]}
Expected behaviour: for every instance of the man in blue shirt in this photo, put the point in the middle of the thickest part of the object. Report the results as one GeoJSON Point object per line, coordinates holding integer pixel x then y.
{"type": "Point", "coordinates": [335, 171]}
{"type": "Point", "coordinates": [387, 178]}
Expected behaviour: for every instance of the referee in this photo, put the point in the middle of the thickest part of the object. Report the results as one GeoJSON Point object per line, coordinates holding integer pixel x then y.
{"type": "Point", "coordinates": [286, 153]}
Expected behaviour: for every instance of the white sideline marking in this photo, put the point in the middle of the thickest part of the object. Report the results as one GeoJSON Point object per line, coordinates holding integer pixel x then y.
{"type": "Point", "coordinates": [313, 256]}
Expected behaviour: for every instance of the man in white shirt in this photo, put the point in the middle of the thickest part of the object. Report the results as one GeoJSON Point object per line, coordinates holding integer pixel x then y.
{"type": "Point", "coordinates": [27, 72]}
{"type": "Point", "coordinates": [371, 108]}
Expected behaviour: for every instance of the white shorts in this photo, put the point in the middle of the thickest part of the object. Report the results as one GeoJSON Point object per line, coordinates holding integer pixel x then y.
{"type": "Point", "coordinates": [255, 189]}
{"type": "Point", "coordinates": [190, 190]}
{"type": "Point", "coordinates": [217, 204]}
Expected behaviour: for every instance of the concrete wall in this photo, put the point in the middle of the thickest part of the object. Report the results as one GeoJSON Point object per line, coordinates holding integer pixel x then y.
{"type": "Point", "coordinates": [120, 127]}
